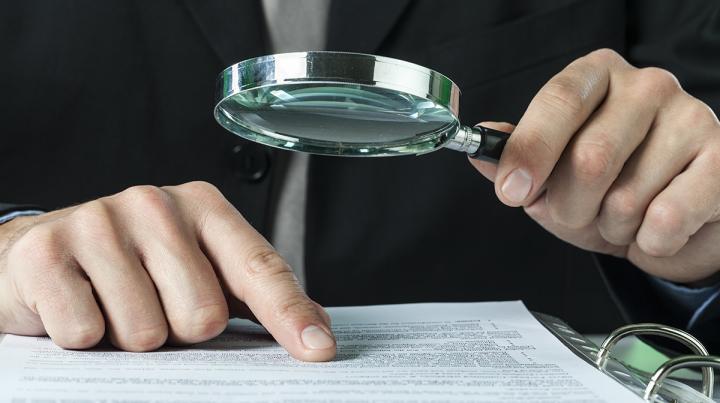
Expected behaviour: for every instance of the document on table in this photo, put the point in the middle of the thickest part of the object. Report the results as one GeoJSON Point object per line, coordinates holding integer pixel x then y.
{"type": "Point", "coordinates": [480, 352]}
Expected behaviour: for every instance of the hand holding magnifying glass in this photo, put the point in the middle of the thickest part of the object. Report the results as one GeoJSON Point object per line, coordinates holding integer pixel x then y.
{"type": "Point", "coordinates": [608, 157]}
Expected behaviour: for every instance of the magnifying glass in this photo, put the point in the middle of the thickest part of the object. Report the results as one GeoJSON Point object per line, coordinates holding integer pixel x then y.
{"type": "Point", "coordinates": [347, 104]}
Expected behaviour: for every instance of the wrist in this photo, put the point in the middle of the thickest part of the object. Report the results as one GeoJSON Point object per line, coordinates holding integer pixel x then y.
{"type": "Point", "coordinates": [13, 313]}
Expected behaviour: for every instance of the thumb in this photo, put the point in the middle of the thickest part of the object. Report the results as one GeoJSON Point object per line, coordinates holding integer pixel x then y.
{"type": "Point", "coordinates": [486, 168]}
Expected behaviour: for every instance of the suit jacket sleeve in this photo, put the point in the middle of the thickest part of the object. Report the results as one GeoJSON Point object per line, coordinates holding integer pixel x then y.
{"type": "Point", "coordinates": [7, 208]}
{"type": "Point", "coordinates": [10, 211]}
{"type": "Point", "coordinates": [642, 299]}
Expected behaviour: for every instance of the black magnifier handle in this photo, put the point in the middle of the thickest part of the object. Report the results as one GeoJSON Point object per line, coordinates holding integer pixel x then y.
{"type": "Point", "coordinates": [479, 142]}
{"type": "Point", "coordinates": [491, 145]}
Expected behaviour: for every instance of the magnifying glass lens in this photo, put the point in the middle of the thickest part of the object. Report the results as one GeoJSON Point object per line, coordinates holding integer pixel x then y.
{"type": "Point", "coordinates": [337, 118]}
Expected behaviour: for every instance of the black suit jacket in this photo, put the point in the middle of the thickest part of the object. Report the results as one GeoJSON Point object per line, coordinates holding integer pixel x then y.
{"type": "Point", "coordinates": [102, 95]}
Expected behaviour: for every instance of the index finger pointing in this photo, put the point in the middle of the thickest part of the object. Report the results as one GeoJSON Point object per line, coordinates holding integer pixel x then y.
{"type": "Point", "coordinates": [254, 273]}
{"type": "Point", "coordinates": [558, 110]}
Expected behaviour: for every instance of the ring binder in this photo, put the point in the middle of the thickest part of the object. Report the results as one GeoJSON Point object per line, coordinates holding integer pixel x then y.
{"type": "Point", "coordinates": [656, 387]}
{"type": "Point", "coordinates": [687, 361]}
{"type": "Point", "coordinates": [654, 329]}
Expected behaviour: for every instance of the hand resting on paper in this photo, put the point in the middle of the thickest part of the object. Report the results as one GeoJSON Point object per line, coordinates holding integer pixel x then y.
{"type": "Point", "coordinates": [148, 266]}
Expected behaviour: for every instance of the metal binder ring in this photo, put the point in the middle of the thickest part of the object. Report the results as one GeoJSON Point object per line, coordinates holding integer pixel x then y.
{"type": "Point", "coordinates": [655, 329]}
{"type": "Point", "coordinates": [687, 361]}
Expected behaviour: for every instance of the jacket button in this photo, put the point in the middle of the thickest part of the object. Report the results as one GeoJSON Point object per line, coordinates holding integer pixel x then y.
{"type": "Point", "coordinates": [250, 162]}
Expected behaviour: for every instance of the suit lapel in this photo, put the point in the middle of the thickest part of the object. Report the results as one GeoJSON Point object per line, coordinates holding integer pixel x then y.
{"type": "Point", "coordinates": [235, 29]}
{"type": "Point", "coordinates": [361, 26]}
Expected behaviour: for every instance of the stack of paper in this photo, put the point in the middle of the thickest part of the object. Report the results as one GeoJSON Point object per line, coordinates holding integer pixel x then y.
{"type": "Point", "coordinates": [480, 352]}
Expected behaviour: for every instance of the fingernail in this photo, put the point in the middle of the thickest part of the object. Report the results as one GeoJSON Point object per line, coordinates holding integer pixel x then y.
{"type": "Point", "coordinates": [315, 338]}
{"type": "Point", "coordinates": [517, 185]}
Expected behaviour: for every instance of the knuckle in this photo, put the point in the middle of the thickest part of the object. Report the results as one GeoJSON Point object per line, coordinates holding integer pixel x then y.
{"type": "Point", "coordinates": [592, 162]}
{"type": "Point", "coordinates": [699, 116]}
{"type": "Point", "coordinates": [92, 211]}
{"type": "Point", "coordinates": [93, 222]}
{"type": "Point", "coordinates": [657, 247]}
{"type": "Point", "coordinates": [622, 205]}
{"type": "Point", "coordinates": [665, 218]}
{"type": "Point", "coordinates": [605, 56]}
{"type": "Point", "coordinates": [264, 261]}
{"type": "Point", "coordinates": [664, 230]}
{"type": "Point", "coordinates": [293, 307]}
{"type": "Point", "coordinates": [532, 142]}
{"type": "Point", "coordinates": [201, 188]}
{"type": "Point", "coordinates": [202, 323]}
{"type": "Point", "coordinates": [655, 83]}
{"type": "Point", "coordinates": [147, 339]}
{"type": "Point", "coordinates": [564, 95]}
{"type": "Point", "coordinates": [81, 336]}
{"type": "Point", "coordinates": [147, 198]}
{"type": "Point", "coordinates": [620, 216]}
{"type": "Point", "coordinates": [205, 193]}
{"type": "Point", "coordinates": [209, 198]}
{"type": "Point", "coordinates": [615, 235]}
{"type": "Point", "coordinates": [157, 208]}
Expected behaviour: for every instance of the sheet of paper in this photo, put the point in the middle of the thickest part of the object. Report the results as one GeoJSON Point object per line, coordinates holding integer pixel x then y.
{"type": "Point", "coordinates": [480, 352]}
